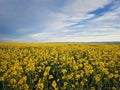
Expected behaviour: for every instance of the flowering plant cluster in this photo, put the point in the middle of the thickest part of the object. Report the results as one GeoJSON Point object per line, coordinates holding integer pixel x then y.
{"type": "Point", "coordinates": [26, 66]}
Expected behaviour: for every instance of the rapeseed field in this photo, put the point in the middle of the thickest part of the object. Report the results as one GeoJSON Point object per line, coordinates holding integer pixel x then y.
{"type": "Point", "coordinates": [28, 66]}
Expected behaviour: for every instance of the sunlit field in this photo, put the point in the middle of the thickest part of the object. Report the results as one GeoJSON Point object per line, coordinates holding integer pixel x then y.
{"type": "Point", "coordinates": [27, 66]}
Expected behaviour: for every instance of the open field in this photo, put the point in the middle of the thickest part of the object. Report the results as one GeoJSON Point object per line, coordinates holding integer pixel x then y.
{"type": "Point", "coordinates": [25, 66]}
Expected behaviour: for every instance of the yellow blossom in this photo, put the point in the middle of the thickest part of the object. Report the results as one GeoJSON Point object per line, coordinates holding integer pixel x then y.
{"type": "Point", "coordinates": [75, 67]}
{"type": "Point", "coordinates": [110, 75]}
{"type": "Point", "coordinates": [54, 84]}
{"type": "Point", "coordinates": [22, 80]}
{"type": "Point", "coordinates": [48, 68]}
{"type": "Point", "coordinates": [97, 77]}
{"type": "Point", "coordinates": [92, 88]}
{"type": "Point", "coordinates": [65, 84]}
{"type": "Point", "coordinates": [82, 84]}
{"type": "Point", "coordinates": [50, 76]}
{"type": "Point", "coordinates": [40, 86]}
{"type": "Point", "coordinates": [63, 71]}
{"type": "Point", "coordinates": [77, 76]}
{"type": "Point", "coordinates": [13, 81]}
{"type": "Point", "coordinates": [45, 74]}
{"type": "Point", "coordinates": [113, 88]}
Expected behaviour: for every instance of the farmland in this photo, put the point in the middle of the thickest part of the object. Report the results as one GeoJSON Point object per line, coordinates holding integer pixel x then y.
{"type": "Point", "coordinates": [28, 66]}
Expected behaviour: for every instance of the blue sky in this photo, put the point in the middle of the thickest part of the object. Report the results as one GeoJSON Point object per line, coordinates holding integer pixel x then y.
{"type": "Point", "coordinates": [59, 20]}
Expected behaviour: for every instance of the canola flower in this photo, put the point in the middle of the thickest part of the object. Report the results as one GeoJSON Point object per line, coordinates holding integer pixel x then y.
{"type": "Point", "coordinates": [40, 86]}
{"type": "Point", "coordinates": [51, 77]}
{"type": "Point", "coordinates": [47, 70]}
{"type": "Point", "coordinates": [63, 71]}
{"type": "Point", "coordinates": [27, 66]}
{"type": "Point", "coordinates": [97, 77]}
{"type": "Point", "coordinates": [54, 85]}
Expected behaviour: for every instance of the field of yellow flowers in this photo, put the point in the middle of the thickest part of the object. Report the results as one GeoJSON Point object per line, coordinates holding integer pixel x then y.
{"type": "Point", "coordinates": [28, 66]}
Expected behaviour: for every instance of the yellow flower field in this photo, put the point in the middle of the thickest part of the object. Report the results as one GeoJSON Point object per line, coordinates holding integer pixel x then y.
{"type": "Point", "coordinates": [28, 66]}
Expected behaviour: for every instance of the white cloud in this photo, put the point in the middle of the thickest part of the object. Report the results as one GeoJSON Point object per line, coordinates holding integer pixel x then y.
{"type": "Point", "coordinates": [65, 31]}
{"type": "Point", "coordinates": [79, 7]}
{"type": "Point", "coordinates": [109, 16]}
{"type": "Point", "coordinates": [73, 13]}
{"type": "Point", "coordinates": [39, 36]}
